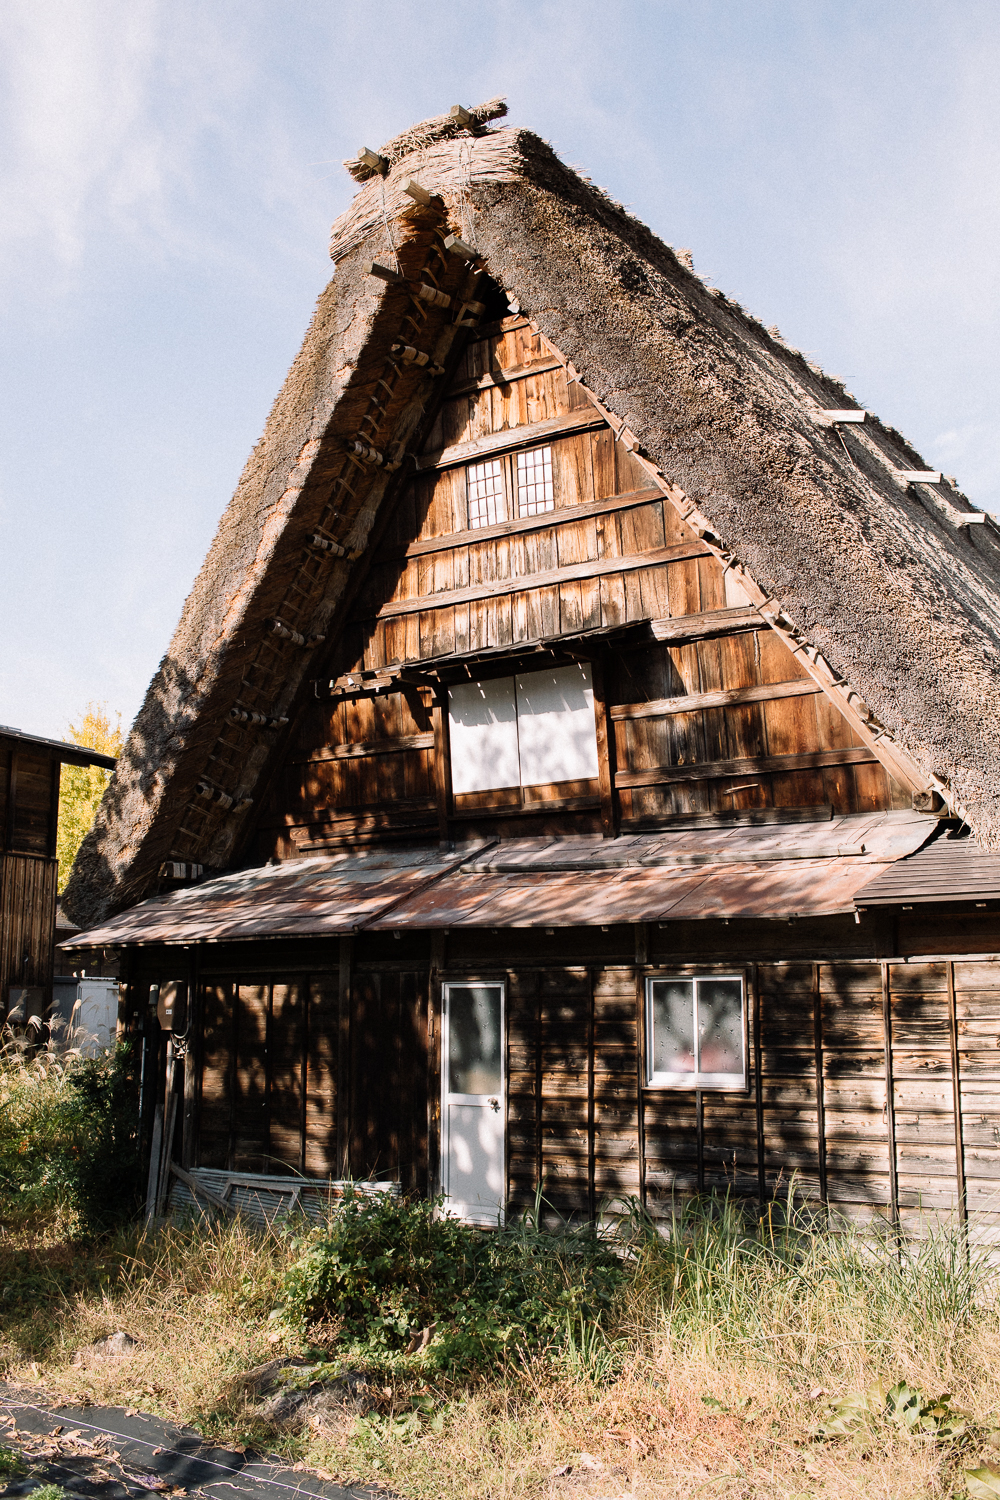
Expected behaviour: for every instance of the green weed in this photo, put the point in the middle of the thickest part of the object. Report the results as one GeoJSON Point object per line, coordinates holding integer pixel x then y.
{"type": "Point", "coordinates": [11, 1464]}
{"type": "Point", "coordinates": [400, 1277]}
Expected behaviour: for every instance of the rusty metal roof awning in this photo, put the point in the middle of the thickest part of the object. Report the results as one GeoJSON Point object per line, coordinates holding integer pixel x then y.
{"type": "Point", "coordinates": [948, 869]}
{"type": "Point", "coordinates": [768, 871]}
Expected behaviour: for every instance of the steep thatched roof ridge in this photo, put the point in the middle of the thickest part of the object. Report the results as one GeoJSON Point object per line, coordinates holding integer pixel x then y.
{"type": "Point", "coordinates": [901, 602]}
{"type": "Point", "coordinates": [260, 568]}
{"type": "Point", "coordinates": [878, 576]}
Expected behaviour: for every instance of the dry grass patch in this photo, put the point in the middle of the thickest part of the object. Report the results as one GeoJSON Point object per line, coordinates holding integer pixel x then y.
{"type": "Point", "coordinates": [727, 1346]}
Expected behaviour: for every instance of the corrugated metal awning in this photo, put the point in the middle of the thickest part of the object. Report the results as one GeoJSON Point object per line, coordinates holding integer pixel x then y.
{"type": "Point", "coordinates": [771, 871]}
{"type": "Point", "coordinates": [947, 870]}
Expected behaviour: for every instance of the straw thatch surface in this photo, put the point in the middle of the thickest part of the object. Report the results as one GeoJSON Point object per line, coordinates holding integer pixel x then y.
{"type": "Point", "coordinates": [902, 602]}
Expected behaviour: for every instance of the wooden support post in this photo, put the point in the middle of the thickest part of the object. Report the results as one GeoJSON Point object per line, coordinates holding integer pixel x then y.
{"type": "Point", "coordinates": [699, 1134]}
{"type": "Point", "coordinates": [306, 998]}
{"type": "Point", "coordinates": [820, 1095]}
{"type": "Point", "coordinates": [11, 801]}
{"type": "Point", "coordinates": [268, 1068]}
{"type": "Point", "coordinates": [439, 942]}
{"type": "Point", "coordinates": [640, 932]}
{"type": "Point", "coordinates": [153, 1180]}
{"type": "Point", "coordinates": [192, 1063]}
{"type": "Point", "coordinates": [956, 1096]}
{"type": "Point", "coordinates": [890, 1099]}
{"type": "Point", "coordinates": [52, 840]}
{"type": "Point", "coordinates": [758, 1084]}
{"type": "Point", "coordinates": [591, 1108]}
{"type": "Point", "coordinates": [343, 1058]}
{"type": "Point", "coordinates": [606, 757]}
{"type": "Point", "coordinates": [236, 1006]}
{"type": "Point", "coordinates": [169, 1117]}
{"type": "Point", "coordinates": [539, 1045]}
{"type": "Point", "coordinates": [442, 762]}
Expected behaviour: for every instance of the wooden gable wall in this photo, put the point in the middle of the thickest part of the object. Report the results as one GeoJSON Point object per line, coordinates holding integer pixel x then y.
{"type": "Point", "coordinates": [700, 707]}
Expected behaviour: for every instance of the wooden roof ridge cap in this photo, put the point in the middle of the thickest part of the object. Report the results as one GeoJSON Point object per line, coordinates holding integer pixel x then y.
{"type": "Point", "coordinates": [443, 127]}
{"type": "Point", "coordinates": [898, 761]}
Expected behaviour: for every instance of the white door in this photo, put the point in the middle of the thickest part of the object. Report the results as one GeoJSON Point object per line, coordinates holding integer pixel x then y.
{"type": "Point", "coordinates": [472, 1101]}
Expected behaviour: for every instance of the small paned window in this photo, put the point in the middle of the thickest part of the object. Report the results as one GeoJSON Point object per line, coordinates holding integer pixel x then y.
{"type": "Point", "coordinates": [534, 482]}
{"type": "Point", "coordinates": [696, 1032]}
{"type": "Point", "coordinates": [486, 497]}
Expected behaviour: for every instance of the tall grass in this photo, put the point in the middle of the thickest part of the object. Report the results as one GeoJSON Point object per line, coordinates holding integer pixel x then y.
{"type": "Point", "coordinates": [722, 1350]}
{"type": "Point", "coordinates": [719, 1278]}
{"type": "Point", "coordinates": [68, 1137]}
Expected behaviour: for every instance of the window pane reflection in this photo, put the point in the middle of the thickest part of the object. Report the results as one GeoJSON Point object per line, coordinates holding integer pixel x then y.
{"type": "Point", "coordinates": [720, 1025]}
{"type": "Point", "coordinates": [474, 1041]}
{"type": "Point", "coordinates": [673, 1027]}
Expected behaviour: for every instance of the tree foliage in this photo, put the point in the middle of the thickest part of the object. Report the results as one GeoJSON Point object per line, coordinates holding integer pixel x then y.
{"type": "Point", "coordinates": [82, 787]}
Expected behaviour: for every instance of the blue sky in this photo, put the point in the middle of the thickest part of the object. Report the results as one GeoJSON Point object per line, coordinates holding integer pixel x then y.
{"type": "Point", "coordinates": [169, 170]}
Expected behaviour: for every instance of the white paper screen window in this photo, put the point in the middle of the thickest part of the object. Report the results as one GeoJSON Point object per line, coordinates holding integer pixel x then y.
{"type": "Point", "coordinates": [483, 724]}
{"type": "Point", "coordinates": [555, 726]}
{"type": "Point", "coordinates": [486, 505]}
{"type": "Point", "coordinates": [534, 482]}
{"type": "Point", "coordinates": [528, 731]}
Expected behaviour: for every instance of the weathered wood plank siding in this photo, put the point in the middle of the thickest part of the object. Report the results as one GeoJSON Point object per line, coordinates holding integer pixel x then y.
{"type": "Point", "coordinates": [27, 922]}
{"type": "Point", "coordinates": [580, 1122]}
{"type": "Point", "coordinates": [611, 553]}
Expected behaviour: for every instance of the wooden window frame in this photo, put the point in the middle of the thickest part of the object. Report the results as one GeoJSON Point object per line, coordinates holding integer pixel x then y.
{"type": "Point", "coordinates": [704, 1082]}
{"type": "Point", "coordinates": [508, 478]}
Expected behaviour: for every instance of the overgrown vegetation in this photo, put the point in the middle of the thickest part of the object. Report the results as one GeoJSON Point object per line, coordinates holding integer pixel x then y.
{"type": "Point", "coordinates": [395, 1272]}
{"type": "Point", "coordinates": [721, 1352]}
{"type": "Point", "coordinates": [82, 787]}
{"type": "Point", "coordinates": [68, 1138]}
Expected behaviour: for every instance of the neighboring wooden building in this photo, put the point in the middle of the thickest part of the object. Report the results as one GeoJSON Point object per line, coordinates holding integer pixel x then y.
{"type": "Point", "coordinates": [541, 784]}
{"type": "Point", "coordinates": [29, 869]}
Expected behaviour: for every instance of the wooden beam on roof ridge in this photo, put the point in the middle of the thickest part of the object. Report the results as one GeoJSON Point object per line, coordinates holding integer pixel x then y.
{"type": "Point", "coordinates": [899, 764]}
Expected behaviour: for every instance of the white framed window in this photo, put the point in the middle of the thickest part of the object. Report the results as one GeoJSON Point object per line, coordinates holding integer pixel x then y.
{"type": "Point", "coordinates": [534, 482]}
{"type": "Point", "coordinates": [486, 493]}
{"type": "Point", "coordinates": [696, 1031]}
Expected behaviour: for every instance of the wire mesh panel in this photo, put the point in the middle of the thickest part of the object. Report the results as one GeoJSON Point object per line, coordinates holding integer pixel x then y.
{"type": "Point", "coordinates": [534, 482]}
{"type": "Point", "coordinates": [486, 505]}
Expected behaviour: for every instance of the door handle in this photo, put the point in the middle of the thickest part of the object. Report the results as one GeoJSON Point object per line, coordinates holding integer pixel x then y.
{"type": "Point", "coordinates": [495, 1106]}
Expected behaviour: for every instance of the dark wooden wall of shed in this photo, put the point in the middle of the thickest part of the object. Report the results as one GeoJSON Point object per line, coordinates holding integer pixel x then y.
{"type": "Point", "coordinates": [27, 923]}
{"type": "Point", "coordinates": [29, 812]}
{"type": "Point", "coordinates": [29, 799]}
{"type": "Point", "coordinates": [874, 1082]}
{"type": "Point", "coordinates": [274, 1096]}
{"type": "Point", "coordinates": [719, 717]}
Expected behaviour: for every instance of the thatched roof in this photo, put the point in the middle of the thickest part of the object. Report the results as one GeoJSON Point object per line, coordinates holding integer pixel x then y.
{"type": "Point", "coordinates": [881, 578]}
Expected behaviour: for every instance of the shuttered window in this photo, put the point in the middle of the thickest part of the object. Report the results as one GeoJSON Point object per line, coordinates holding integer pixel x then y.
{"type": "Point", "coordinates": [696, 1031]}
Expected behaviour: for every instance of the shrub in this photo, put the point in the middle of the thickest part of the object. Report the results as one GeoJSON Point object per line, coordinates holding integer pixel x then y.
{"type": "Point", "coordinates": [68, 1137]}
{"type": "Point", "coordinates": [390, 1268]}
